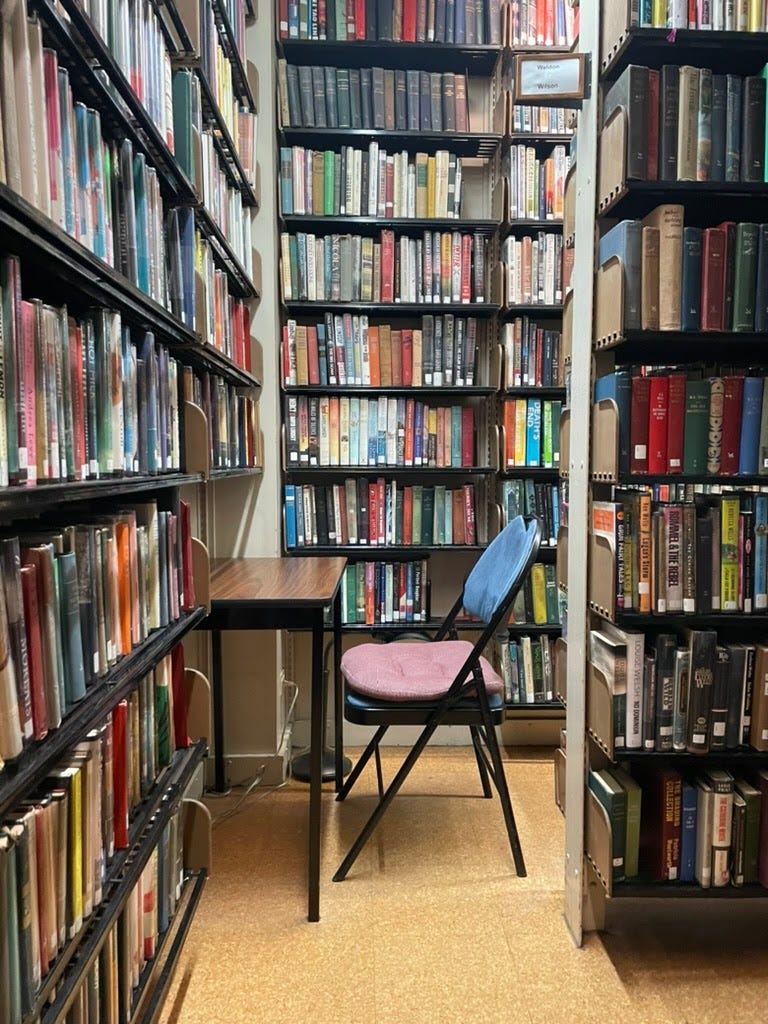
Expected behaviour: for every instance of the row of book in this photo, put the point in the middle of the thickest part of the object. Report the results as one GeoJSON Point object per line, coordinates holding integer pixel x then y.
{"type": "Point", "coordinates": [404, 21]}
{"type": "Point", "coordinates": [543, 23]}
{"type": "Point", "coordinates": [100, 192]}
{"type": "Point", "coordinates": [354, 183]}
{"type": "Point", "coordinates": [375, 593]}
{"type": "Point", "coordinates": [216, 66]}
{"type": "Point", "coordinates": [234, 432]}
{"type": "Point", "coordinates": [717, 15]}
{"type": "Point", "coordinates": [541, 120]}
{"type": "Point", "coordinates": [208, 308]}
{"type": "Point", "coordinates": [683, 422]}
{"type": "Point", "coordinates": [526, 668]}
{"type": "Point", "coordinates": [685, 278]}
{"type": "Point", "coordinates": [399, 432]}
{"type": "Point", "coordinates": [225, 203]}
{"type": "Point", "coordinates": [706, 555]}
{"type": "Point", "coordinates": [346, 351]}
{"type": "Point", "coordinates": [532, 355]}
{"type": "Point", "coordinates": [536, 186]}
{"type": "Point", "coordinates": [533, 269]}
{"type": "Point", "coordinates": [538, 602]}
{"type": "Point", "coordinates": [687, 124]}
{"type": "Point", "coordinates": [378, 99]}
{"type": "Point", "coordinates": [55, 850]}
{"type": "Point", "coordinates": [189, 123]}
{"type": "Point", "coordinates": [439, 267]}
{"type": "Point", "coordinates": [528, 497]}
{"type": "Point", "coordinates": [694, 694]}
{"type": "Point", "coordinates": [707, 827]}
{"type": "Point", "coordinates": [379, 513]}
{"type": "Point", "coordinates": [109, 987]}
{"type": "Point", "coordinates": [531, 433]}
{"type": "Point", "coordinates": [75, 599]}
{"type": "Point", "coordinates": [83, 399]}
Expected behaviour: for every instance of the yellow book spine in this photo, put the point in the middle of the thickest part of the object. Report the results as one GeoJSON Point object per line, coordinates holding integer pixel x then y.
{"type": "Point", "coordinates": [659, 13]}
{"type": "Point", "coordinates": [755, 20]}
{"type": "Point", "coordinates": [538, 586]}
{"type": "Point", "coordinates": [729, 554]}
{"type": "Point", "coordinates": [521, 421]}
{"type": "Point", "coordinates": [431, 180]}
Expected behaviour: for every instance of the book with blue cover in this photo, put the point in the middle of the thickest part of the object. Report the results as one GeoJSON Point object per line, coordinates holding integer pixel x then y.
{"type": "Point", "coordinates": [751, 410]}
{"type": "Point", "coordinates": [688, 816]}
{"type": "Point", "coordinates": [618, 386]}
{"type": "Point", "coordinates": [533, 433]}
{"type": "Point", "coordinates": [624, 240]}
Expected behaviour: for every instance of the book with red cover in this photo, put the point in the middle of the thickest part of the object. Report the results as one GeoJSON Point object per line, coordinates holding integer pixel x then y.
{"type": "Point", "coordinates": [396, 346]}
{"type": "Point", "coordinates": [406, 369]}
{"type": "Point", "coordinates": [387, 266]}
{"type": "Point", "coordinates": [409, 21]}
{"type": "Point", "coordinates": [359, 19]}
{"type": "Point", "coordinates": [729, 227]}
{"type": "Point", "coordinates": [407, 514]}
{"type": "Point", "coordinates": [675, 423]}
{"type": "Point", "coordinates": [410, 412]}
{"type": "Point", "coordinates": [467, 436]}
{"type": "Point", "coordinates": [34, 651]}
{"type": "Point", "coordinates": [638, 425]}
{"type": "Point", "coordinates": [713, 247]}
{"type": "Point", "coordinates": [374, 358]}
{"type": "Point", "coordinates": [381, 505]}
{"type": "Point", "coordinates": [657, 424]}
{"type": "Point", "coordinates": [187, 573]}
{"type": "Point", "coordinates": [733, 388]}
{"type": "Point", "coordinates": [27, 350]}
{"type": "Point", "coordinates": [283, 18]}
{"type": "Point", "coordinates": [78, 400]}
{"type": "Point", "coordinates": [312, 355]}
{"type": "Point", "coordinates": [457, 514]}
{"type": "Point", "coordinates": [469, 513]}
{"type": "Point", "coordinates": [120, 773]}
{"type": "Point", "coordinates": [373, 513]}
{"type": "Point", "coordinates": [660, 825]}
{"type": "Point", "coordinates": [466, 269]}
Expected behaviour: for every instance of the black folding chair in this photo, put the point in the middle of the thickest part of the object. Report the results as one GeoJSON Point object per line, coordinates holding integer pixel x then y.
{"type": "Point", "coordinates": [443, 682]}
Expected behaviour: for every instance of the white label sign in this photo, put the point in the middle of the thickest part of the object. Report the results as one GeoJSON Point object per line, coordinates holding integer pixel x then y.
{"type": "Point", "coordinates": [550, 79]}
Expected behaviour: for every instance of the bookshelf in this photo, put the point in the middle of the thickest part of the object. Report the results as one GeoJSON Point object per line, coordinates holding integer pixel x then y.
{"type": "Point", "coordinates": [531, 372]}
{"type": "Point", "coordinates": [695, 738]}
{"type": "Point", "coordinates": [128, 383]}
{"type": "Point", "coordinates": [469, 136]}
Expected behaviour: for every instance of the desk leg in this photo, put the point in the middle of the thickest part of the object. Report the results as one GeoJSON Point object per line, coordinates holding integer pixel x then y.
{"type": "Point", "coordinates": [315, 766]}
{"type": "Point", "coordinates": [220, 784]}
{"type": "Point", "coordinates": [338, 696]}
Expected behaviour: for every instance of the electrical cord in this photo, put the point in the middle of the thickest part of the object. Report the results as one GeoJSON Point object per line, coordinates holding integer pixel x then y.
{"type": "Point", "coordinates": [256, 781]}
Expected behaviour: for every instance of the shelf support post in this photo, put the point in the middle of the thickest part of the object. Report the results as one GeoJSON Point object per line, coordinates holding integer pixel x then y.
{"type": "Point", "coordinates": [578, 482]}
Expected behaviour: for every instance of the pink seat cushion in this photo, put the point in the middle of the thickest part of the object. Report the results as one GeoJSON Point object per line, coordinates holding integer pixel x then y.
{"type": "Point", "coordinates": [410, 671]}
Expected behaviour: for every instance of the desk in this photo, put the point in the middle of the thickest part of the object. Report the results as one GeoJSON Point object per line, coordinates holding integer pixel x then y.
{"type": "Point", "coordinates": [282, 593]}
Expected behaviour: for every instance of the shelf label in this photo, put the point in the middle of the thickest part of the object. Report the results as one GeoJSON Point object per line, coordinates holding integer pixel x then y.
{"type": "Point", "coordinates": [545, 78]}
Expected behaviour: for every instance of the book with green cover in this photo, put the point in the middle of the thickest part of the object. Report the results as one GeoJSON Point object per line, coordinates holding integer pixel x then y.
{"type": "Point", "coordinates": [632, 833]}
{"type": "Point", "coordinates": [417, 515]}
{"type": "Point", "coordinates": [613, 797]}
{"type": "Point", "coordinates": [550, 591]}
{"type": "Point", "coordinates": [428, 516]}
{"type": "Point", "coordinates": [696, 430]}
{"type": "Point", "coordinates": [328, 183]}
{"type": "Point", "coordinates": [745, 277]}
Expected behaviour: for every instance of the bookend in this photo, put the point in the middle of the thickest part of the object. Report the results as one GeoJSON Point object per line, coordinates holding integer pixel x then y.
{"type": "Point", "coordinates": [599, 842]}
{"type": "Point", "coordinates": [561, 563]}
{"type": "Point", "coordinates": [612, 163]}
{"type": "Point", "coordinates": [614, 29]}
{"type": "Point", "coordinates": [560, 673]}
{"type": "Point", "coordinates": [197, 452]}
{"type": "Point", "coordinates": [609, 304]}
{"type": "Point", "coordinates": [605, 442]}
{"type": "Point", "coordinates": [566, 341]}
{"type": "Point", "coordinates": [560, 761]}
{"type": "Point", "coordinates": [569, 207]}
{"type": "Point", "coordinates": [600, 711]}
{"type": "Point", "coordinates": [565, 442]}
{"type": "Point", "coordinates": [196, 825]}
{"type": "Point", "coordinates": [198, 697]}
{"type": "Point", "coordinates": [602, 577]}
{"type": "Point", "coordinates": [201, 569]}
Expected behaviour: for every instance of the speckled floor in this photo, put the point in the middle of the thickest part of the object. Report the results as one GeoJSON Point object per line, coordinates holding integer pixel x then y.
{"type": "Point", "coordinates": [433, 927]}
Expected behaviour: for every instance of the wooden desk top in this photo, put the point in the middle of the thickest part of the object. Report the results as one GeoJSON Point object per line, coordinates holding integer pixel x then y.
{"type": "Point", "coordinates": [270, 581]}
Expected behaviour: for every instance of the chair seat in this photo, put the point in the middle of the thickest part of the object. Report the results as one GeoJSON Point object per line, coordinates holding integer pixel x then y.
{"type": "Point", "coordinates": [370, 711]}
{"type": "Point", "coordinates": [411, 671]}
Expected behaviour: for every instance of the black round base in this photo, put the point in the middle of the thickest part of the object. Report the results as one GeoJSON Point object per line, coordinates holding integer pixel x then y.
{"type": "Point", "coordinates": [300, 766]}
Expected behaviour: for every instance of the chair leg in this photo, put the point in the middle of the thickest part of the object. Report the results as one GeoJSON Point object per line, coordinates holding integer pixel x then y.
{"type": "Point", "coordinates": [387, 798]}
{"type": "Point", "coordinates": [363, 760]}
{"type": "Point", "coordinates": [379, 773]}
{"type": "Point", "coordinates": [501, 785]}
{"type": "Point", "coordinates": [484, 780]}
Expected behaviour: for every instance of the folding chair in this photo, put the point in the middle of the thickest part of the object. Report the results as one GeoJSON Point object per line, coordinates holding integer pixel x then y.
{"type": "Point", "coordinates": [442, 682]}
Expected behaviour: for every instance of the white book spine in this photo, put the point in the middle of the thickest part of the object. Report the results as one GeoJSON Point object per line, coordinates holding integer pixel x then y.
{"type": "Point", "coordinates": [635, 667]}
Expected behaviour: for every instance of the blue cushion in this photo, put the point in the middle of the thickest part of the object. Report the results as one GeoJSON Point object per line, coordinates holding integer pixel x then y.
{"type": "Point", "coordinates": [498, 568]}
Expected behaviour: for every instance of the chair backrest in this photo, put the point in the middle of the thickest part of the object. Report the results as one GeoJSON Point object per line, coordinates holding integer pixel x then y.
{"type": "Point", "coordinates": [500, 571]}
